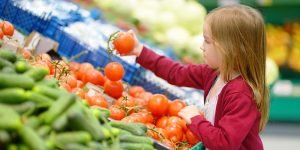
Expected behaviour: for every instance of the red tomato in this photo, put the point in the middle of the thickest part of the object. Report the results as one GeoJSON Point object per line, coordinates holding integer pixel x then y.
{"type": "Point", "coordinates": [7, 28]}
{"type": "Point", "coordinates": [25, 53]}
{"type": "Point", "coordinates": [162, 122]}
{"type": "Point", "coordinates": [80, 84]}
{"type": "Point", "coordinates": [74, 66]}
{"type": "Point", "coordinates": [113, 88]}
{"type": "Point", "coordinates": [135, 90]}
{"type": "Point", "coordinates": [174, 133]}
{"type": "Point", "coordinates": [150, 132]}
{"type": "Point", "coordinates": [124, 42]}
{"type": "Point", "coordinates": [158, 104]}
{"type": "Point", "coordinates": [145, 96]}
{"type": "Point", "coordinates": [141, 102]}
{"type": "Point", "coordinates": [148, 118]}
{"type": "Point", "coordinates": [99, 100]}
{"type": "Point", "coordinates": [177, 121]}
{"type": "Point", "coordinates": [114, 71]}
{"type": "Point", "coordinates": [191, 138]}
{"type": "Point", "coordinates": [83, 69]}
{"type": "Point", "coordinates": [72, 81]}
{"type": "Point", "coordinates": [125, 101]}
{"type": "Point", "coordinates": [175, 106]}
{"type": "Point", "coordinates": [66, 86]}
{"type": "Point", "coordinates": [116, 113]}
{"type": "Point", "coordinates": [162, 133]}
{"type": "Point", "coordinates": [94, 76]}
{"type": "Point", "coordinates": [1, 35]}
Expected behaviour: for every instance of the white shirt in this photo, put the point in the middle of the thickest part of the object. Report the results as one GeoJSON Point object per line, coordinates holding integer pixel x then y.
{"type": "Point", "coordinates": [211, 104]}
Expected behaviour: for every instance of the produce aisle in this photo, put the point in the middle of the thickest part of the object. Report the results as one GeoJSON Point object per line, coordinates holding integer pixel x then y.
{"type": "Point", "coordinates": [56, 69]}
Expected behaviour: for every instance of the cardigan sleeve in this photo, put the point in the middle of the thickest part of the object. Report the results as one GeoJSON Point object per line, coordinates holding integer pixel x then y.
{"type": "Point", "coordinates": [174, 72]}
{"type": "Point", "coordinates": [239, 116]}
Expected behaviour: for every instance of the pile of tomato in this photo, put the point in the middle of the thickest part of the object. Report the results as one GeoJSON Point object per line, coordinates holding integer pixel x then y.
{"type": "Point", "coordinates": [159, 114]}
{"type": "Point", "coordinates": [6, 29]}
{"type": "Point", "coordinates": [132, 104]}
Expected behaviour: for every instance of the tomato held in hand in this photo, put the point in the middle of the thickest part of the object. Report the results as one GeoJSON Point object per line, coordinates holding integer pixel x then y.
{"type": "Point", "coordinates": [124, 42]}
{"type": "Point", "coordinates": [7, 28]}
{"type": "Point", "coordinates": [158, 104]}
{"type": "Point", "coordinates": [114, 71]}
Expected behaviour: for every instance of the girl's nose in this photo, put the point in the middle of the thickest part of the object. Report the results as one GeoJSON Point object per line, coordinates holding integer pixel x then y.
{"type": "Point", "coordinates": [202, 48]}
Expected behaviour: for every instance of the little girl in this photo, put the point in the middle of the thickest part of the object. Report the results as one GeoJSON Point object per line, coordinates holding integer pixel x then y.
{"type": "Point", "coordinates": [233, 79]}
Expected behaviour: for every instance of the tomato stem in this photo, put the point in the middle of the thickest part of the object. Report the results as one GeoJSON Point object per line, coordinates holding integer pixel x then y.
{"type": "Point", "coordinates": [110, 39]}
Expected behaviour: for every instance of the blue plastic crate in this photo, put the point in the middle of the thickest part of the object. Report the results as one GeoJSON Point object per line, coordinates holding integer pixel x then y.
{"type": "Point", "coordinates": [2, 6]}
{"type": "Point", "coordinates": [143, 80]}
{"type": "Point", "coordinates": [23, 20]}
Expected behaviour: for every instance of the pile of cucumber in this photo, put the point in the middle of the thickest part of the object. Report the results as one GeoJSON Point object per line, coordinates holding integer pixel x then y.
{"type": "Point", "coordinates": [35, 114]}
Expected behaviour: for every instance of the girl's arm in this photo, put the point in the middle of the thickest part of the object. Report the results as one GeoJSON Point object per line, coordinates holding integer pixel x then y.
{"type": "Point", "coordinates": [174, 72]}
{"type": "Point", "coordinates": [240, 115]}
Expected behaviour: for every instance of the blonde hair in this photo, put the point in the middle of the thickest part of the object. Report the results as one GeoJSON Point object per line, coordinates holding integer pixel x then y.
{"type": "Point", "coordinates": [238, 32]}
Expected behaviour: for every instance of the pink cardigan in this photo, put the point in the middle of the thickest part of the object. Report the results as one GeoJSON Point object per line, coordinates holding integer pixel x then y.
{"type": "Point", "coordinates": [237, 117]}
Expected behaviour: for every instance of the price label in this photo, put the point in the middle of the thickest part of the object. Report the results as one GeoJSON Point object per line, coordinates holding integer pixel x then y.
{"type": "Point", "coordinates": [228, 2]}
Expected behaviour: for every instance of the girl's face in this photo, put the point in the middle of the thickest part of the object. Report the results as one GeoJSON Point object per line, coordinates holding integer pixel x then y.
{"type": "Point", "coordinates": [211, 57]}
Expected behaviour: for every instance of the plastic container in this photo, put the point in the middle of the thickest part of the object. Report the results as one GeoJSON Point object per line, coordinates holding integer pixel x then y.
{"type": "Point", "coordinates": [23, 20]}
{"type": "Point", "coordinates": [198, 146]}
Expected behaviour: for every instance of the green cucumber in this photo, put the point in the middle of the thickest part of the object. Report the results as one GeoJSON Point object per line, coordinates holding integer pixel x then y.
{"type": "Point", "coordinates": [8, 55]}
{"type": "Point", "coordinates": [135, 139]}
{"type": "Point", "coordinates": [4, 137]}
{"type": "Point", "coordinates": [5, 63]}
{"type": "Point", "coordinates": [58, 107]}
{"type": "Point", "coordinates": [60, 123]}
{"type": "Point", "coordinates": [32, 139]}
{"type": "Point", "coordinates": [21, 66]}
{"type": "Point", "coordinates": [53, 83]}
{"type": "Point", "coordinates": [80, 137]}
{"type": "Point", "coordinates": [39, 99]}
{"type": "Point", "coordinates": [44, 131]}
{"type": "Point", "coordinates": [9, 119]}
{"type": "Point", "coordinates": [53, 93]}
{"type": "Point", "coordinates": [22, 107]}
{"type": "Point", "coordinates": [135, 146]}
{"type": "Point", "coordinates": [79, 121]}
{"type": "Point", "coordinates": [15, 80]}
{"type": "Point", "coordinates": [12, 96]}
{"type": "Point", "coordinates": [76, 146]}
{"type": "Point", "coordinates": [134, 128]}
{"type": "Point", "coordinates": [8, 70]}
{"type": "Point", "coordinates": [33, 122]}
{"type": "Point", "coordinates": [37, 74]}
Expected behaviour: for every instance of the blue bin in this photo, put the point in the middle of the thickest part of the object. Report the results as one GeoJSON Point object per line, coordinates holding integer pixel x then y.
{"type": "Point", "coordinates": [23, 20]}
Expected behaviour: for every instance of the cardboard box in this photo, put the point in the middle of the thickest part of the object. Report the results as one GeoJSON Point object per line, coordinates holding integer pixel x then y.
{"type": "Point", "coordinates": [39, 44]}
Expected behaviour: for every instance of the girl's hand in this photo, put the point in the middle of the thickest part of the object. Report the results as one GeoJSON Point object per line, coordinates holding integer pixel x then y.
{"type": "Point", "coordinates": [137, 45]}
{"type": "Point", "coordinates": [188, 113]}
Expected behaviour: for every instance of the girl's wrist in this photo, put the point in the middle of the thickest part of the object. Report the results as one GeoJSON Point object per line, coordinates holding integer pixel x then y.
{"type": "Point", "coordinates": [139, 49]}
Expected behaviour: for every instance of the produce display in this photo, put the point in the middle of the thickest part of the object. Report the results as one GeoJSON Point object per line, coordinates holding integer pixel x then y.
{"type": "Point", "coordinates": [47, 103]}
{"type": "Point", "coordinates": [175, 23]}
{"type": "Point", "coordinates": [37, 114]}
{"type": "Point", "coordinates": [286, 51]}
